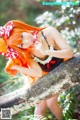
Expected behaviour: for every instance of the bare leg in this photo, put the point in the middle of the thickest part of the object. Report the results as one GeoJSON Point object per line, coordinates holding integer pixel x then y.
{"type": "Point", "coordinates": [54, 107]}
{"type": "Point", "coordinates": [40, 109]}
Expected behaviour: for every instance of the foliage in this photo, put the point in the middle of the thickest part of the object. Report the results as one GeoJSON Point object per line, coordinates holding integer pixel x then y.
{"type": "Point", "coordinates": [66, 19]}
{"type": "Point", "coordinates": [29, 115]}
{"type": "Point", "coordinates": [17, 9]}
{"type": "Point", "coordinates": [3, 76]}
{"type": "Point", "coordinates": [68, 102]}
{"type": "Point", "coordinates": [4, 6]}
{"type": "Point", "coordinates": [13, 83]}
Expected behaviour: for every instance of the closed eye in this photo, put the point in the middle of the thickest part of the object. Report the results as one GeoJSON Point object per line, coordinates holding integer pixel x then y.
{"type": "Point", "coordinates": [21, 45]}
{"type": "Point", "coordinates": [22, 36]}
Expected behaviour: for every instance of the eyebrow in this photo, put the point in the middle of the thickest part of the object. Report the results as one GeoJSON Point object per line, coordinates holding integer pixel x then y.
{"type": "Point", "coordinates": [20, 45]}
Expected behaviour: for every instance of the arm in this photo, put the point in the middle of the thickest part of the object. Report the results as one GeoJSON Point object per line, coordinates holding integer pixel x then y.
{"type": "Point", "coordinates": [65, 50]}
{"type": "Point", "coordinates": [34, 70]}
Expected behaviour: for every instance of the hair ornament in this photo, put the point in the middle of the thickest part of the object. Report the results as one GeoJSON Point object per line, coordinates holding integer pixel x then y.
{"type": "Point", "coordinates": [11, 53]}
{"type": "Point", "coordinates": [34, 33]}
{"type": "Point", "coordinates": [6, 30]}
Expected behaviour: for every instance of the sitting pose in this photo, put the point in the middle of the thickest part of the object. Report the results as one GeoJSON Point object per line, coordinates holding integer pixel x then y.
{"type": "Point", "coordinates": [32, 50]}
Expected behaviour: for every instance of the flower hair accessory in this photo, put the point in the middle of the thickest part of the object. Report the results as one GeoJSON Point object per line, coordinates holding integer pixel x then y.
{"type": "Point", "coordinates": [11, 53]}
{"type": "Point", "coordinates": [6, 30]}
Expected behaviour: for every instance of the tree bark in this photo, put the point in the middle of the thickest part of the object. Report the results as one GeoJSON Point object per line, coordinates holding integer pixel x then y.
{"type": "Point", "coordinates": [63, 77]}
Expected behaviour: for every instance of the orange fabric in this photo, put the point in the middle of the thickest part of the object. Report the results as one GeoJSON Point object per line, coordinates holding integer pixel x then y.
{"type": "Point", "coordinates": [66, 59]}
{"type": "Point", "coordinates": [8, 68]}
{"type": "Point", "coordinates": [16, 61]}
{"type": "Point", "coordinates": [44, 73]}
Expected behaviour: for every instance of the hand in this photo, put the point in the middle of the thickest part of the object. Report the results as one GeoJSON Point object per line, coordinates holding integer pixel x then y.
{"type": "Point", "coordinates": [40, 47]}
{"type": "Point", "coordinates": [50, 51]}
{"type": "Point", "coordinates": [15, 67]}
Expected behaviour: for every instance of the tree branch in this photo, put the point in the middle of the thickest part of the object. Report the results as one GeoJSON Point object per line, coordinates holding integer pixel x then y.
{"type": "Point", "coordinates": [60, 79]}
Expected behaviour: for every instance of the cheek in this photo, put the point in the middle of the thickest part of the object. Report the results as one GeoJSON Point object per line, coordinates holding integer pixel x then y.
{"type": "Point", "coordinates": [26, 45]}
{"type": "Point", "coordinates": [29, 41]}
{"type": "Point", "coordinates": [26, 36]}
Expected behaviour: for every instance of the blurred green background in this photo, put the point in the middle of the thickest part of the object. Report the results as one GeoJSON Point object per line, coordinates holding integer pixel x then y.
{"type": "Point", "coordinates": [65, 18]}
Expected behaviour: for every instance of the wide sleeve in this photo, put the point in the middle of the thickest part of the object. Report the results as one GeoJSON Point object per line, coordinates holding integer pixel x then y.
{"type": "Point", "coordinates": [8, 69]}
{"type": "Point", "coordinates": [12, 62]}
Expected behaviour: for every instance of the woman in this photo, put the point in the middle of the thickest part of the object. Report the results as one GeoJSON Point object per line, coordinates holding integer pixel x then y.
{"type": "Point", "coordinates": [32, 49]}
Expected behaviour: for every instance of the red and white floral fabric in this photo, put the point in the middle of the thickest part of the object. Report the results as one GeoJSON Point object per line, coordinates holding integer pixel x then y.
{"type": "Point", "coordinates": [6, 30]}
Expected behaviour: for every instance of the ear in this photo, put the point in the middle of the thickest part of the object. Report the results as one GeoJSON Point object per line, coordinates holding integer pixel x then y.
{"type": "Point", "coordinates": [3, 47]}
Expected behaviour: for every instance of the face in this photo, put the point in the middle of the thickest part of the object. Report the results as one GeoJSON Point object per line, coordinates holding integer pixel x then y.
{"type": "Point", "coordinates": [27, 40]}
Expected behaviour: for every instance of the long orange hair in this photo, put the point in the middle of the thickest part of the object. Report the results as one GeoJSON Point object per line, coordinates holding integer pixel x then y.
{"type": "Point", "coordinates": [14, 40]}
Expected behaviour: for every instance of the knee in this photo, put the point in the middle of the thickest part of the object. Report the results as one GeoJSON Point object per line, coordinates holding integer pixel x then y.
{"type": "Point", "coordinates": [41, 107]}
{"type": "Point", "coordinates": [49, 103]}
{"type": "Point", "coordinates": [52, 101]}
